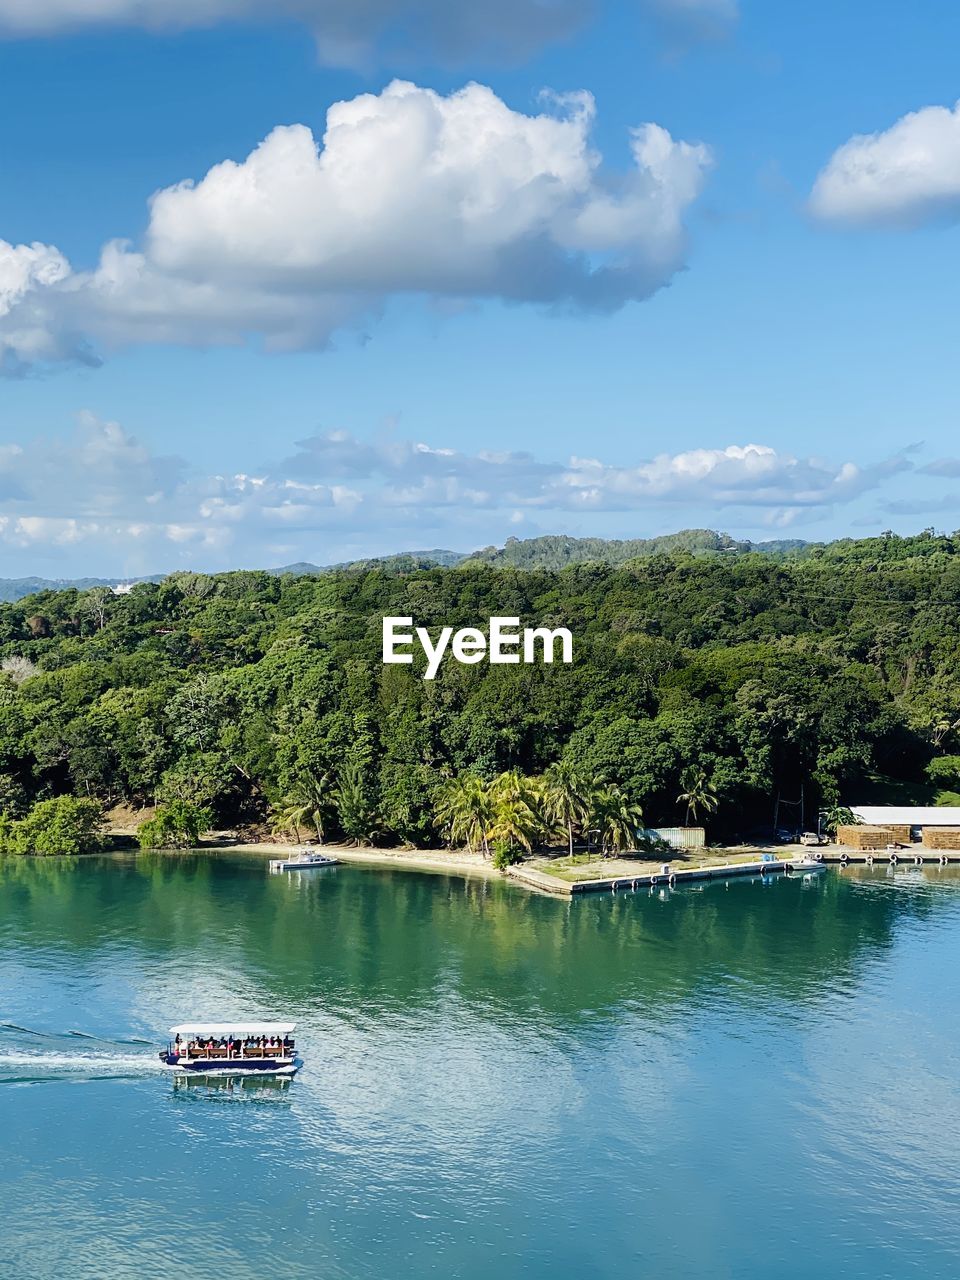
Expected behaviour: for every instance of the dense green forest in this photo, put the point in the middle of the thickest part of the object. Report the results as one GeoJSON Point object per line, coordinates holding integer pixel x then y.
{"type": "Point", "coordinates": [553, 552]}
{"type": "Point", "coordinates": [248, 695]}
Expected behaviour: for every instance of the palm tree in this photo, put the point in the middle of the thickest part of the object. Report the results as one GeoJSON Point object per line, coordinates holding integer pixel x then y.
{"type": "Point", "coordinates": [289, 817]}
{"type": "Point", "coordinates": [355, 803]}
{"type": "Point", "coordinates": [517, 807]}
{"type": "Point", "coordinates": [566, 798]}
{"type": "Point", "coordinates": [697, 794]}
{"type": "Point", "coordinates": [465, 809]}
{"type": "Point", "coordinates": [944, 726]}
{"type": "Point", "coordinates": [307, 807]}
{"type": "Point", "coordinates": [617, 818]}
{"type": "Point", "coordinates": [837, 815]}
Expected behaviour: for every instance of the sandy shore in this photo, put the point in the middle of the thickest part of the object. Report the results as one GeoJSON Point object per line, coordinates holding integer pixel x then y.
{"type": "Point", "coordinates": [461, 862]}
{"type": "Point", "coordinates": [458, 860]}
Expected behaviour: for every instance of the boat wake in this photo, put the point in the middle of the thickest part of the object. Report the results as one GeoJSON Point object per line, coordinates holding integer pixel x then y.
{"type": "Point", "coordinates": [31, 1056]}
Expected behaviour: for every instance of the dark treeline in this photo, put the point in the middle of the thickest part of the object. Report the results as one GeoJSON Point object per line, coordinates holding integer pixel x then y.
{"type": "Point", "coordinates": [247, 694]}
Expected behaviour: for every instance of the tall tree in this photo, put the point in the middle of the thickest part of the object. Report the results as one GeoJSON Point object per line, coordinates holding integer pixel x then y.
{"type": "Point", "coordinates": [697, 794]}
{"type": "Point", "coordinates": [465, 809]}
{"type": "Point", "coordinates": [617, 819]}
{"type": "Point", "coordinates": [517, 811]}
{"type": "Point", "coordinates": [567, 795]}
{"type": "Point", "coordinates": [356, 804]}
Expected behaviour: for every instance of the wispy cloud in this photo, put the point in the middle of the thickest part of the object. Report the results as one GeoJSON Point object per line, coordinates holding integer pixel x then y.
{"type": "Point", "coordinates": [948, 468]}
{"type": "Point", "coordinates": [683, 21]}
{"type": "Point", "coordinates": [925, 507]}
{"type": "Point", "coordinates": [358, 33]}
{"type": "Point", "coordinates": [103, 490]}
{"type": "Point", "coordinates": [349, 33]}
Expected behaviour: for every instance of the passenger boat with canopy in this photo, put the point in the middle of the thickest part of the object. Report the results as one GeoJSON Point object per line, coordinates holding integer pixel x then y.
{"type": "Point", "coordinates": [204, 1048]}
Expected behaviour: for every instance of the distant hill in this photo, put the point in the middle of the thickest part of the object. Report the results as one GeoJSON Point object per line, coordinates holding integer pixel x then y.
{"type": "Point", "coordinates": [12, 589]}
{"type": "Point", "coordinates": [401, 562]}
{"type": "Point", "coordinates": [16, 588]}
{"type": "Point", "coordinates": [556, 552]}
{"type": "Point", "coordinates": [559, 551]}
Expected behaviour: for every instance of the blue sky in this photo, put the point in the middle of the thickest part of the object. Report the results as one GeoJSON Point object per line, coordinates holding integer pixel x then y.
{"type": "Point", "coordinates": [473, 313]}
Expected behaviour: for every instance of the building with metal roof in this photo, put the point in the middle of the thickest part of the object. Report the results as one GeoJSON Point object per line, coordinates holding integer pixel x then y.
{"type": "Point", "coordinates": [883, 815]}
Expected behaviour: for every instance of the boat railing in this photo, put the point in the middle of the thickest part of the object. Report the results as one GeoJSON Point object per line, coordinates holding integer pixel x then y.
{"type": "Point", "coordinates": [188, 1053]}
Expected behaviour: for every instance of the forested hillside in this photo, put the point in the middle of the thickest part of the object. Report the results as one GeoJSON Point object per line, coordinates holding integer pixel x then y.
{"type": "Point", "coordinates": [548, 552]}
{"type": "Point", "coordinates": [557, 552]}
{"type": "Point", "coordinates": [246, 694]}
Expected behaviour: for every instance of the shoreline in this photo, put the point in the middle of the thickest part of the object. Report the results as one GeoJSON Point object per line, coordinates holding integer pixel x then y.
{"type": "Point", "coordinates": [534, 875]}
{"type": "Point", "coordinates": [555, 876]}
{"type": "Point", "coordinates": [458, 861]}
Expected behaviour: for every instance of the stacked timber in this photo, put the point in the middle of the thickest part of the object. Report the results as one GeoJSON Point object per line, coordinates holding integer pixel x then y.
{"type": "Point", "coordinates": [864, 837]}
{"type": "Point", "coordinates": [941, 838]}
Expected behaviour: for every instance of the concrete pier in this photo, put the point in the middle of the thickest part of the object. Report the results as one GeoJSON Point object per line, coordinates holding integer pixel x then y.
{"type": "Point", "coordinates": [650, 880]}
{"type": "Point", "coordinates": [832, 855]}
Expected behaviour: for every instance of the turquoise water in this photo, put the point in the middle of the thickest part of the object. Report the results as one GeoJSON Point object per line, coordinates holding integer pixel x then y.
{"type": "Point", "coordinates": [744, 1080]}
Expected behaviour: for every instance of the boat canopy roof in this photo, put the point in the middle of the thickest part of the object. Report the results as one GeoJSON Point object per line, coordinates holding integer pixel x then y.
{"type": "Point", "coordinates": [220, 1030]}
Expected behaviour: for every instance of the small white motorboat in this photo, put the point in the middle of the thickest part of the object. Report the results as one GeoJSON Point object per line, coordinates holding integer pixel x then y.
{"type": "Point", "coordinates": [809, 862]}
{"type": "Point", "coordinates": [303, 860]}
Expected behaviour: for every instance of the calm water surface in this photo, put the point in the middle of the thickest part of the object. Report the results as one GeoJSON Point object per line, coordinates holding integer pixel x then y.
{"type": "Point", "coordinates": [749, 1080]}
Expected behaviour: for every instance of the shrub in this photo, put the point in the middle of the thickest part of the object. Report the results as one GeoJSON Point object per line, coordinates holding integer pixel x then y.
{"type": "Point", "coordinates": [177, 825]}
{"type": "Point", "coordinates": [944, 771]}
{"type": "Point", "coordinates": [506, 855]}
{"type": "Point", "coordinates": [64, 824]}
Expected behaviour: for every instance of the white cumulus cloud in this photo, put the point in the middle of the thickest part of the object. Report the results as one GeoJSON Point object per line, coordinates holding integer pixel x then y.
{"type": "Point", "coordinates": [905, 176]}
{"type": "Point", "coordinates": [409, 192]}
{"type": "Point", "coordinates": [739, 475]}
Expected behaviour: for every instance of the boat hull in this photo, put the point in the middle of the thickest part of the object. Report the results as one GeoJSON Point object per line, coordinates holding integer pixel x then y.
{"type": "Point", "coordinates": [284, 864]}
{"type": "Point", "coordinates": [230, 1066]}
